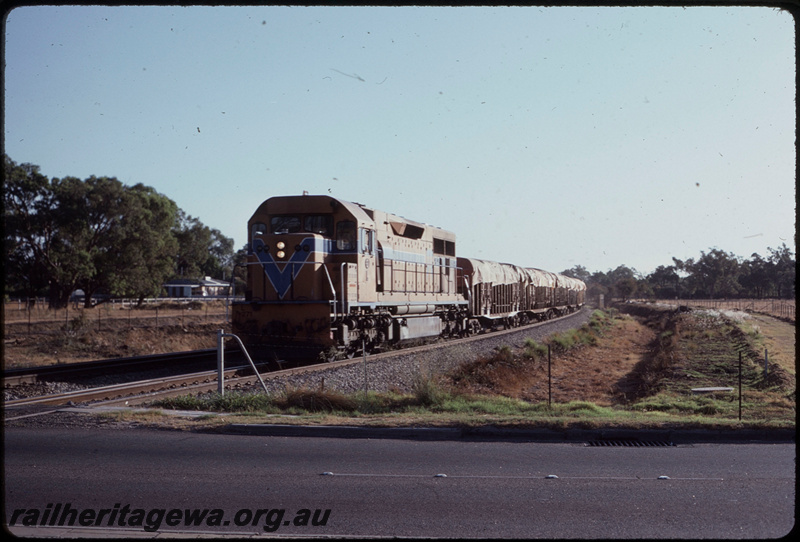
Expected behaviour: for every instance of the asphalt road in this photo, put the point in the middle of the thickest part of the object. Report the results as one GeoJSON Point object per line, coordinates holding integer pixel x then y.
{"type": "Point", "coordinates": [384, 487]}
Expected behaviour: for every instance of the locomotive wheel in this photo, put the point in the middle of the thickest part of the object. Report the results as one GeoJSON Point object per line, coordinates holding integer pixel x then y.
{"type": "Point", "coordinates": [473, 328]}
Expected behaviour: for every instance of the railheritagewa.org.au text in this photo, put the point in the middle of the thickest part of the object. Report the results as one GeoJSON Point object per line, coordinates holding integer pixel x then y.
{"type": "Point", "coordinates": [153, 519]}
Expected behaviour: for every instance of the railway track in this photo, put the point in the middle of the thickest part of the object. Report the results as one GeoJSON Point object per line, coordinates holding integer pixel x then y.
{"type": "Point", "coordinates": [74, 371]}
{"type": "Point", "coordinates": [133, 393]}
{"type": "Point", "coordinates": [142, 390]}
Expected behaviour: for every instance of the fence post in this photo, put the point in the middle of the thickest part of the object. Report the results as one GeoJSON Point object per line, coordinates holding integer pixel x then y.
{"type": "Point", "coordinates": [220, 364]}
{"type": "Point", "coordinates": [740, 386]}
{"type": "Point", "coordinates": [364, 348]}
{"type": "Point", "coordinates": [549, 380]}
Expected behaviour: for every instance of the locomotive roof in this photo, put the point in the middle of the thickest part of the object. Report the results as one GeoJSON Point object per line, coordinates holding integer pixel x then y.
{"type": "Point", "coordinates": [365, 216]}
{"type": "Point", "coordinates": [302, 204]}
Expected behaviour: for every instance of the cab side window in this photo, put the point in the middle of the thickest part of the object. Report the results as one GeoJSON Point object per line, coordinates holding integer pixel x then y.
{"type": "Point", "coordinates": [366, 241]}
{"type": "Point", "coordinates": [346, 235]}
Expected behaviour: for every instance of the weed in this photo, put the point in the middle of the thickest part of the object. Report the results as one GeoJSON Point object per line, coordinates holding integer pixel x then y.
{"type": "Point", "coordinates": [504, 354]}
{"type": "Point", "coordinates": [534, 350]}
{"type": "Point", "coordinates": [230, 402]}
{"type": "Point", "coordinates": [316, 400]}
{"type": "Point", "coordinates": [77, 325]}
{"type": "Point", "coordinates": [133, 415]}
{"type": "Point", "coordinates": [427, 392]}
{"type": "Point", "coordinates": [600, 321]}
{"type": "Point", "coordinates": [561, 342]}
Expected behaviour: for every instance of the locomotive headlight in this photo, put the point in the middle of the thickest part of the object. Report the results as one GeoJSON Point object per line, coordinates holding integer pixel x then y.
{"type": "Point", "coordinates": [281, 254]}
{"type": "Point", "coordinates": [281, 245]}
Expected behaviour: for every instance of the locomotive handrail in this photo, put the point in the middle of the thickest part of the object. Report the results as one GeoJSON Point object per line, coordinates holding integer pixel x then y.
{"type": "Point", "coordinates": [341, 277]}
{"type": "Point", "coordinates": [333, 290]}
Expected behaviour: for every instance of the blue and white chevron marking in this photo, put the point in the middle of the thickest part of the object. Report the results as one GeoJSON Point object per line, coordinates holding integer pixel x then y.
{"type": "Point", "coordinates": [281, 277]}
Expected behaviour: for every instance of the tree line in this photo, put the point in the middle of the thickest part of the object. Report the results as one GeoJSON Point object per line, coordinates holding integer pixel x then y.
{"type": "Point", "coordinates": [715, 274]}
{"type": "Point", "coordinates": [101, 236]}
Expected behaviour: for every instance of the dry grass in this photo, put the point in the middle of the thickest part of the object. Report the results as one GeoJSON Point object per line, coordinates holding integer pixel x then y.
{"type": "Point", "coordinates": [70, 344]}
{"type": "Point", "coordinates": [41, 336]}
{"type": "Point", "coordinates": [777, 338]}
{"type": "Point", "coordinates": [316, 401]}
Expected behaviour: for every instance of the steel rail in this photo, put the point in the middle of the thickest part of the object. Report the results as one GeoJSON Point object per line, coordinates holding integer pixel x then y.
{"type": "Point", "coordinates": [28, 375]}
{"type": "Point", "coordinates": [128, 389]}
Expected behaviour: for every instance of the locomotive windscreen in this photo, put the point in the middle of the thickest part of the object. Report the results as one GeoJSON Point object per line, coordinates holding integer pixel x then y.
{"type": "Point", "coordinates": [320, 224]}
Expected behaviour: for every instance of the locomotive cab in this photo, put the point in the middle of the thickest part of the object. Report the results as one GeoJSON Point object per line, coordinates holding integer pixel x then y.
{"type": "Point", "coordinates": [301, 270]}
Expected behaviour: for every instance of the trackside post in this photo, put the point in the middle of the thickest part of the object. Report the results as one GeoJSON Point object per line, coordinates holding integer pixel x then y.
{"type": "Point", "coordinates": [221, 361]}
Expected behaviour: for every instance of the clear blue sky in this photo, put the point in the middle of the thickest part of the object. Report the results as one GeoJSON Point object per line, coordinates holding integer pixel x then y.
{"type": "Point", "coordinates": [545, 137]}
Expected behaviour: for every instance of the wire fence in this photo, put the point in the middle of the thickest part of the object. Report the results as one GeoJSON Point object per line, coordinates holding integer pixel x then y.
{"type": "Point", "coordinates": [780, 308]}
{"type": "Point", "coordinates": [33, 316]}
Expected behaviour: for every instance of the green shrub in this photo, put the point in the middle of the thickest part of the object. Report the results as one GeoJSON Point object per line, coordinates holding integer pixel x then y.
{"type": "Point", "coordinates": [534, 349]}
{"type": "Point", "coordinates": [427, 392]}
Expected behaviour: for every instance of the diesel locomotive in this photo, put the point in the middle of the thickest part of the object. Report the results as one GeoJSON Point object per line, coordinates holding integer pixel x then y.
{"type": "Point", "coordinates": [334, 277]}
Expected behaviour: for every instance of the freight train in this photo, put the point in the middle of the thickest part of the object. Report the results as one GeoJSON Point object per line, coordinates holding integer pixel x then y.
{"type": "Point", "coordinates": [334, 278]}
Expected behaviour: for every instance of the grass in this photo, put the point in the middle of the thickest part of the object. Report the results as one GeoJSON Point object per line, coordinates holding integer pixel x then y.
{"type": "Point", "coordinates": [687, 352]}
{"type": "Point", "coordinates": [148, 415]}
{"type": "Point", "coordinates": [398, 410]}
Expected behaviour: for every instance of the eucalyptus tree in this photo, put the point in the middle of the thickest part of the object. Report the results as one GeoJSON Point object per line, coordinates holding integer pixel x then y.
{"type": "Point", "coordinates": [783, 271]}
{"type": "Point", "coordinates": [97, 234]}
{"type": "Point", "coordinates": [30, 230]}
{"type": "Point", "coordinates": [714, 274]}
{"type": "Point", "coordinates": [202, 251]}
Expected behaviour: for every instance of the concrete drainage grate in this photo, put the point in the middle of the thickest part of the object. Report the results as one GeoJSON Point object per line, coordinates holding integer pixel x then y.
{"type": "Point", "coordinates": [629, 443]}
